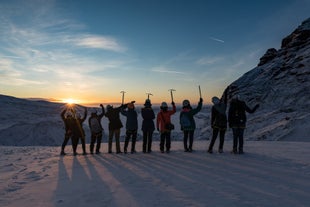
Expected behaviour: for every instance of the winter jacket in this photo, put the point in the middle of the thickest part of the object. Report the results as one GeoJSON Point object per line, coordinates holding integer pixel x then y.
{"type": "Point", "coordinates": [78, 126]}
{"type": "Point", "coordinates": [67, 121]}
{"type": "Point", "coordinates": [148, 116]}
{"type": "Point", "coordinates": [218, 116]}
{"type": "Point", "coordinates": [114, 119]}
{"type": "Point", "coordinates": [236, 114]}
{"type": "Point", "coordinates": [132, 118]}
{"type": "Point", "coordinates": [98, 117]}
{"type": "Point", "coordinates": [163, 117]}
{"type": "Point", "coordinates": [190, 113]}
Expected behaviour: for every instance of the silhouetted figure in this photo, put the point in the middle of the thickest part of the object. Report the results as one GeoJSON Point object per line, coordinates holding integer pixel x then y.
{"type": "Point", "coordinates": [218, 121]}
{"type": "Point", "coordinates": [131, 126]}
{"type": "Point", "coordinates": [96, 129]}
{"type": "Point", "coordinates": [78, 132]}
{"type": "Point", "coordinates": [237, 121]}
{"type": "Point", "coordinates": [115, 126]}
{"type": "Point", "coordinates": [148, 126]}
{"type": "Point", "coordinates": [68, 119]}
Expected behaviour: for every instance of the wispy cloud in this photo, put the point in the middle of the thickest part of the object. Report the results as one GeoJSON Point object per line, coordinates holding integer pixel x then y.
{"type": "Point", "coordinates": [209, 60]}
{"type": "Point", "coordinates": [216, 39]}
{"type": "Point", "coordinates": [97, 42]}
{"type": "Point", "coordinates": [165, 70]}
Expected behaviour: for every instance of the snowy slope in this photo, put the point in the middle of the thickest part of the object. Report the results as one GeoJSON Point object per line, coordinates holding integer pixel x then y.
{"type": "Point", "coordinates": [280, 84]}
{"type": "Point", "coordinates": [269, 174]}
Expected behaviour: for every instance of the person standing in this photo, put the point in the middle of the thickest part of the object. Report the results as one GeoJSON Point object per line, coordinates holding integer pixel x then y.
{"type": "Point", "coordinates": [148, 126]}
{"type": "Point", "coordinates": [96, 129]}
{"type": "Point", "coordinates": [237, 121]}
{"type": "Point", "coordinates": [218, 121]}
{"type": "Point", "coordinates": [115, 126]}
{"type": "Point", "coordinates": [188, 124]}
{"type": "Point", "coordinates": [67, 117]}
{"type": "Point", "coordinates": [78, 132]}
{"type": "Point", "coordinates": [131, 126]}
{"type": "Point", "coordinates": [163, 124]}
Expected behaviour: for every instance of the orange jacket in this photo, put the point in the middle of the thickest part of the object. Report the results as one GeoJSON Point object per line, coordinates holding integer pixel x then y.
{"type": "Point", "coordinates": [163, 117]}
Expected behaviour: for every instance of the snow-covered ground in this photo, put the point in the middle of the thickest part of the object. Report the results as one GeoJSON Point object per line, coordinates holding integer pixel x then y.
{"type": "Point", "coordinates": [268, 174]}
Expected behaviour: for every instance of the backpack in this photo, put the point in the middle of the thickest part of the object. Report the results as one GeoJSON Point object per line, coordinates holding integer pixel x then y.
{"type": "Point", "coordinates": [95, 126]}
{"type": "Point", "coordinates": [185, 120]}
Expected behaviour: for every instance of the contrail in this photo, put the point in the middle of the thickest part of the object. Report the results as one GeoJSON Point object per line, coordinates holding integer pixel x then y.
{"type": "Point", "coordinates": [14, 57]}
{"type": "Point", "coordinates": [216, 39]}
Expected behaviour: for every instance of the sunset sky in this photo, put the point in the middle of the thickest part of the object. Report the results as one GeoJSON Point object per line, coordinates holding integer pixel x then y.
{"type": "Point", "coordinates": [91, 50]}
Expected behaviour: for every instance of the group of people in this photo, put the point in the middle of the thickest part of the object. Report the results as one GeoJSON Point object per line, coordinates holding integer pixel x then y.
{"type": "Point", "coordinates": [236, 120]}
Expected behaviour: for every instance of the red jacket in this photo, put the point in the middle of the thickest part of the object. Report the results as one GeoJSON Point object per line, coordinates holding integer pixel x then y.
{"type": "Point", "coordinates": [163, 117]}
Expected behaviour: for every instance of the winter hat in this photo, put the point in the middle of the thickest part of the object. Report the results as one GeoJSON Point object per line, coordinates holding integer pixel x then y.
{"type": "Point", "coordinates": [215, 100]}
{"type": "Point", "coordinates": [164, 105]}
{"type": "Point", "coordinates": [186, 103]}
{"type": "Point", "coordinates": [109, 107]}
{"type": "Point", "coordinates": [131, 105]}
{"type": "Point", "coordinates": [147, 103]}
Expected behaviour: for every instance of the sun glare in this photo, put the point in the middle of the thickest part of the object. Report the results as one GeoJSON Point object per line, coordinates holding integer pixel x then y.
{"type": "Point", "coordinates": [70, 101]}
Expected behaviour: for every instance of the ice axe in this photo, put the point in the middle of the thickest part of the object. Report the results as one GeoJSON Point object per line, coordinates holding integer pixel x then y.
{"type": "Point", "coordinates": [123, 92]}
{"type": "Point", "coordinates": [148, 95]}
{"type": "Point", "coordinates": [171, 93]}
{"type": "Point", "coordinates": [199, 91]}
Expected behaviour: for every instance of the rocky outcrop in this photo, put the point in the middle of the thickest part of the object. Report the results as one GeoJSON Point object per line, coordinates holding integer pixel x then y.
{"type": "Point", "coordinates": [269, 55]}
{"type": "Point", "coordinates": [280, 83]}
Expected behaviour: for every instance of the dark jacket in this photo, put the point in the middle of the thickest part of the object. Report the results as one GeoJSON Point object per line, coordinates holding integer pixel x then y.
{"type": "Point", "coordinates": [98, 117]}
{"type": "Point", "coordinates": [218, 116]}
{"type": "Point", "coordinates": [114, 119]}
{"type": "Point", "coordinates": [190, 113]}
{"type": "Point", "coordinates": [132, 118]}
{"type": "Point", "coordinates": [148, 116]}
{"type": "Point", "coordinates": [236, 114]}
{"type": "Point", "coordinates": [78, 126]}
{"type": "Point", "coordinates": [218, 113]}
{"type": "Point", "coordinates": [69, 121]}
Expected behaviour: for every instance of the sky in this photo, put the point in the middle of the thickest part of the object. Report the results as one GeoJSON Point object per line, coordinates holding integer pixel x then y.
{"type": "Point", "coordinates": [90, 51]}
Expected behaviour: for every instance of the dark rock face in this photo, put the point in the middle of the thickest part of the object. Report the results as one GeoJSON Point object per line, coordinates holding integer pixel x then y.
{"type": "Point", "coordinates": [269, 55]}
{"type": "Point", "coordinates": [299, 37]}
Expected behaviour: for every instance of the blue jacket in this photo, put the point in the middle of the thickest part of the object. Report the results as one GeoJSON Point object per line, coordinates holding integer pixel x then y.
{"type": "Point", "coordinates": [191, 112]}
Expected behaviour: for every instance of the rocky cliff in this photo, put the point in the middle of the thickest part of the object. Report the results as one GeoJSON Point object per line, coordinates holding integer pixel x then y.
{"type": "Point", "coordinates": [280, 84]}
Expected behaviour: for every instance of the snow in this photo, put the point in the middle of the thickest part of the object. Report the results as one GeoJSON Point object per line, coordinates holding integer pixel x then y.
{"type": "Point", "coordinates": [268, 174]}
{"type": "Point", "coordinates": [274, 171]}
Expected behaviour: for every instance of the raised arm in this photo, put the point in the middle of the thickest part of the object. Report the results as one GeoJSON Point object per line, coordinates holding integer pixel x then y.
{"type": "Point", "coordinates": [102, 111]}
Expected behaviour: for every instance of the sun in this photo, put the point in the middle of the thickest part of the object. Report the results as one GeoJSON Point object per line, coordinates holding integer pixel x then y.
{"type": "Point", "coordinates": [70, 101]}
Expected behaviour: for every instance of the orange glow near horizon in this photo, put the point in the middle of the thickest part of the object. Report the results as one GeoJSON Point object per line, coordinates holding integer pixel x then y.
{"type": "Point", "coordinates": [70, 101]}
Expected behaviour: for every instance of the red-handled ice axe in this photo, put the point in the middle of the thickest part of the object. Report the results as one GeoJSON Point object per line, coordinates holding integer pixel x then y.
{"type": "Point", "coordinates": [171, 93]}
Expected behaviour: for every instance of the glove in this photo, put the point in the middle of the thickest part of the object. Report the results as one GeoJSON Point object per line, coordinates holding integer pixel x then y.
{"type": "Point", "coordinates": [101, 105]}
{"type": "Point", "coordinates": [201, 100]}
{"type": "Point", "coordinates": [157, 129]}
{"type": "Point", "coordinates": [173, 103]}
